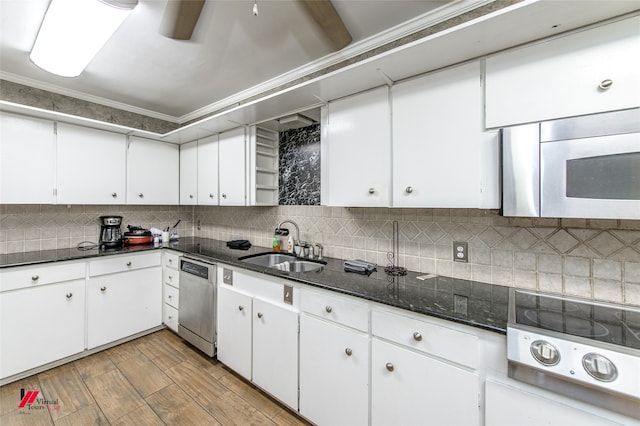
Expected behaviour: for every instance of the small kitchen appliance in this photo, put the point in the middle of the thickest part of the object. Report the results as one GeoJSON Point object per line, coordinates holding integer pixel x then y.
{"type": "Point", "coordinates": [110, 233]}
{"type": "Point", "coordinates": [137, 235]}
{"type": "Point", "coordinates": [575, 347]}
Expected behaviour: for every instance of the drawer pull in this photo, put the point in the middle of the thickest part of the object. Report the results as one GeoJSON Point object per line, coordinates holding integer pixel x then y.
{"type": "Point", "coordinates": [408, 190]}
{"type": "Point", "coordinates": [259, 314]}
{"type": "Point", "coordinates": [169, 296]}
{"type": "Point", "coordinates": [417, 336]}
{"type": "Point", "coordinates": [128, 263]}
{"type": "Point", "coordinates": [103, 289]}
{"type": "Point", "coordinates": [389, 366]}
{"type": "Point", "coordinates": [35, 278]}
{"type": "Point", "coordinates": [606, 84]}
{"type": "Point", "coordinates": [141, 195]}
{"type": "Point", "coordinates": [114, 194]}
{"type": "Point", "coordinates": [348, 351]}
{"type": "Point", "coordinates": [170, 260]}
{"type": "Point", "coordinates": [224, 196]}
{"type": "Point", "coordinates": [69, 295]}
{"type": "Point", "coordinates": [170, 278]}
{"type": "Point", "coordinates": [210, 195]}
{"type": "Point", "coordinates": [372, 191]}
{"type": "Point", "coordinates": [241, 308]}
{"type": "Point", "coordinates": [328, 308]}
{"type": "Point", "coordinates": [191, 196]}
{"type": "Point", "coordinates": [170, 317]}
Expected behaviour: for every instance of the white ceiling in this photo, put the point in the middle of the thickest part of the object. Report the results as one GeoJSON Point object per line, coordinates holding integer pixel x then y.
{"type": "Point", "coordinates": [230, 51]}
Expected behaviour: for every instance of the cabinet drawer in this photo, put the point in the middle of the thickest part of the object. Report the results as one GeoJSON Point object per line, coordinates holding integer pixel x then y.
{"type": "Point", "coordinates": [28, 276]}
{"type": "Point", "coordinates": [171, 277]}
{"type": "Point", "coordinates": [170, 317]}
{"type": "Point", "coordinates": [171, 296]}
{"type": "Point", "coordinates": [123, 262]}
{"type": "Point", "coordinates": [336, 309]}
{"type": "Point", "coordinates": [172, 260]}
{"type": "Point", "coordinates": [443, 342]}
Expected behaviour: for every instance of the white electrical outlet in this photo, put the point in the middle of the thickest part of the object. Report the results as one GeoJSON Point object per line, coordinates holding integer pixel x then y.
{"type": "Point", "coordinates": [460, 252]}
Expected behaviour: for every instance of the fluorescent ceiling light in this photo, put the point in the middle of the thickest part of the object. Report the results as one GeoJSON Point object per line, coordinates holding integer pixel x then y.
{"type": "Point", "coordinates": [73, 31]}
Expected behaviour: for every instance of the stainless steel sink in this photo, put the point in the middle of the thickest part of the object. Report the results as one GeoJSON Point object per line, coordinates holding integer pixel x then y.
{"type": "Point", "coordinates": [283, 262]}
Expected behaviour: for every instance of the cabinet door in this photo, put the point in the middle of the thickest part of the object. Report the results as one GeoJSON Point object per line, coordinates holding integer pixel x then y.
{"type": "Point", "coordinates": [562, 77]}
{"type": "Point", "coordinates": [27, 160]}
{"type": "Point", "coordinates": [208, 171]}
{"type": "Point", "coordinates": [91, 166]}
{"type": "Point", "coordinates": [334, 370]}
{"type": "Point", "coordinates": [189, 173]}
{"type": "Point", "coordinates": [232, 167]}
{"type": "Point", "coordinates": [41, 325]}
{"type": "Point", "coordinates": [123, 304]}
{"type": "Point", "coordinates": [234, 330]}
{"type": "Point", "coordinates": [439, 145]}
{"type": "Point", "coordinates": [358, 150]}
{"type": "Point", "coordinates": [152, 172]}
{"type": "Point", "coordinates": [408, 388]}
{"type": "Point", "coordinates": [275, 351]}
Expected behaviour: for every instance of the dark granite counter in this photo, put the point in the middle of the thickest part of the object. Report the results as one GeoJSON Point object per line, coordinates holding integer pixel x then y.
{"type": "Point", "coordinates": [467, 302]}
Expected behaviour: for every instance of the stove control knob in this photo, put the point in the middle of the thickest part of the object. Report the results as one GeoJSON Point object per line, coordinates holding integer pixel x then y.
{"type": "Point", "coordinates": [600, 367]}
{"type": "Point", "coordinates": [545, 353]}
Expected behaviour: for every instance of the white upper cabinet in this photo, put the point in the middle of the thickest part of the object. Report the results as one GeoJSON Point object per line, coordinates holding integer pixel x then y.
{"type": "Point", "coordinates": [91, 166]}
{"type": "Point", "coordinates": [189, 173]}
{"type": "Point", "coordinates": [442, 157]}
{"type": "Point", "coordinates": [357, 149]}
{"type": "Point", "coordinates": [27, 160]}
{"type": "Point", "coordinates": [590, 71]}
{"type": "Point", "coordinates": [208, 171]}
{"type": "Point", "coordinates": [232, 167]}
{"type": "Point", "coordinates": [152, 172]}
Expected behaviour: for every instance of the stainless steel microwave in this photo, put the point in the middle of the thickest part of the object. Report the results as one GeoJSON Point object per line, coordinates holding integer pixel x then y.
{"type": "Point", "coordinates": [579, 167]}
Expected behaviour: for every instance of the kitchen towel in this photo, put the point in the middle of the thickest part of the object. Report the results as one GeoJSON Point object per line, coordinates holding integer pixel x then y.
{"type": "Point", "coordinates": [359, 266]}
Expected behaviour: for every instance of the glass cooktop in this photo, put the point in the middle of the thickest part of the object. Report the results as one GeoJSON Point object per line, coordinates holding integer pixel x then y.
{"type": "Point", "coordinates": [614, 324]}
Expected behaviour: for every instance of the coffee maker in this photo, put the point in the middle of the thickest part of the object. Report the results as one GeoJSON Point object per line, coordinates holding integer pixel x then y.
{"type": "Point", "coordinates": [110, 233]}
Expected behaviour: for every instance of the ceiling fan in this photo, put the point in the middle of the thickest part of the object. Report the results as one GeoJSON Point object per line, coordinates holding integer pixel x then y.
{"type": "Point", "coordinates": [180, 18]}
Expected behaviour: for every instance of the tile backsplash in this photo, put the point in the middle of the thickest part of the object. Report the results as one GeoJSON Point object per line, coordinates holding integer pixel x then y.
{"type": "Point", "coordinates": [46, 227]}
{"type": "Point", "coordinates": [596, 259]}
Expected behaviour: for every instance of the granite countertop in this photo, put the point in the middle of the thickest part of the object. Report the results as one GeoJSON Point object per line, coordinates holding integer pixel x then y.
{"type": "Point", "coordinates": [466, 302]}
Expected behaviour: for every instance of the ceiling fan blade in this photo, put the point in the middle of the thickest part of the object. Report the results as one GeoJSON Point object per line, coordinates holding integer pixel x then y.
{"type": "Point", "coordinates": [180, 18]}
{"type": "Point", "coordinates": [325, 14]}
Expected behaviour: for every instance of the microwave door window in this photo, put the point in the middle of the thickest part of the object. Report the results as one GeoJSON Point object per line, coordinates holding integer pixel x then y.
{"type": "Point", "coordinates": [606, 177]}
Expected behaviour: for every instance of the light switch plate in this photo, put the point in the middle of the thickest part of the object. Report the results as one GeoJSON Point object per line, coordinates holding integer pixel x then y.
{"type": "Point", "coordinates": [460, 252]}
{"type": "Point", "coordinates": [227, 276]}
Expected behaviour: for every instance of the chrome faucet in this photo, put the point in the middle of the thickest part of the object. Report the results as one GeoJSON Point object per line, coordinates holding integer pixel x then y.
{"type": "Point", "coordinates": [297, 240]}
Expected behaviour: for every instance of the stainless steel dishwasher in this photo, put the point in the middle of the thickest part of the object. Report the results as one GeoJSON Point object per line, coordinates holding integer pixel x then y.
{"type": "Point", "coordinates": [197, 304]}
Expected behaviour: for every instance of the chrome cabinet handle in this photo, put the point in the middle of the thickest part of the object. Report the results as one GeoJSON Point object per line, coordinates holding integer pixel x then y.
{"type": "Point", "coordinates": [169, 296]}
{"type": "Point", "coordinates": [170, 260]}
{"type": "Point", "coordinates": [259, 315]}
{"type": "Point", "coordinates": [170, 278]}
{"type": "Point", "coordinates": [389, 366]}
{"type": "Point", "coordinates": [417, 336]}
{"type": "Point", "coordinates": [114, 195]}
{"type": "Point", "coordinates": [328, 308]}
{"type": "Point", "coordinates": [372, 191]}
{"type": "Point", "coordinates": [348, 351]}
{"type": "Point", "coordinates": [191, 196]}
{"type": "Point", "coordinates": [69, 295]}
{"type": "Point", "coordinates": [241, 308]}
{"type": "Point", "coordinates": [170, 317]}
{"type": "Point", "coordinates": [408, 189]}
{"type": "Point", "coordinates": [606, 84]}
{"type": "Point", "coordinates": [224, 195]}
{"type": "Point", "coordinates": [210, 195]}
{"type": "Point", "coordinates": [128, 263]}
{"type": "Point", "coordinates": [103, 289]}
{"type": "Point", "coordinates": [141, 195]}
{"type": "Point", "coordinates": [35, 277]}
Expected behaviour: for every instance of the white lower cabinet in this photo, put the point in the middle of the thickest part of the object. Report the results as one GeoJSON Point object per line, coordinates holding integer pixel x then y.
{"type": "Point", "coordinates": [422, 372]}
{"type": "Point", "coordinates": [125, 299]}
{"type": "Point", "coordinates": [409, 388]}
{"type": "Point", "coordinates": [41, 324]}
{"type": "Point", "coordinates": [334, 373]}
{"type": "Point", "coordinates": [170, 289]}
{"type": "Point", "coordinates": [258, 332]}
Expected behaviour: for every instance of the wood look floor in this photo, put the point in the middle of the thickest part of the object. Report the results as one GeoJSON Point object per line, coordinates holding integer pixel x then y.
{"type": "Point", "coordinates": [154, 380]}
